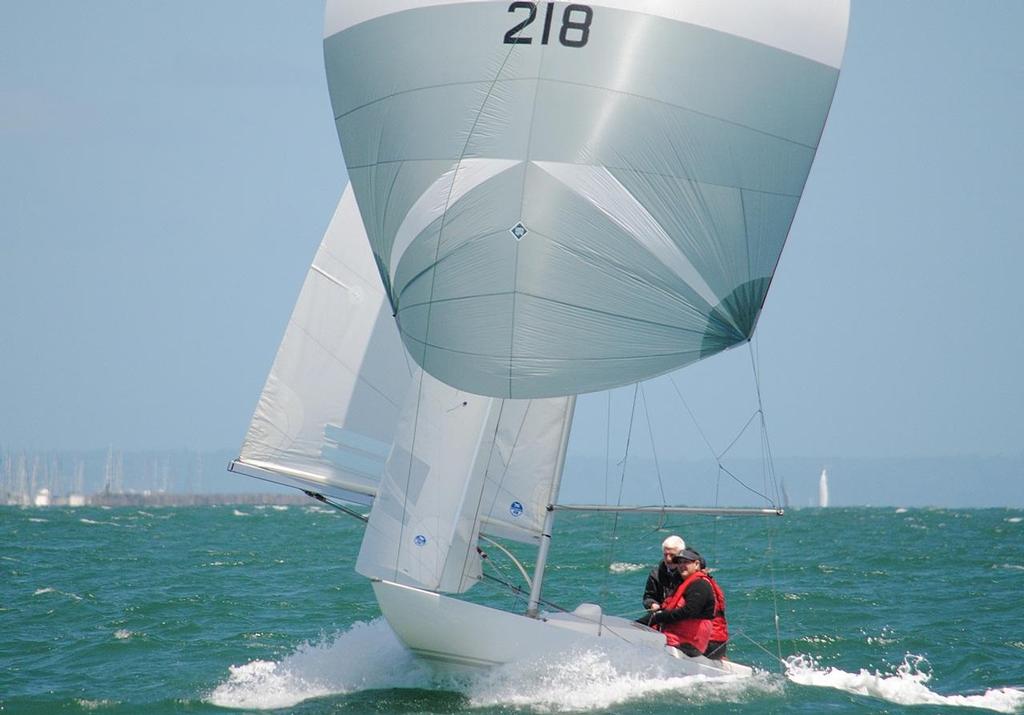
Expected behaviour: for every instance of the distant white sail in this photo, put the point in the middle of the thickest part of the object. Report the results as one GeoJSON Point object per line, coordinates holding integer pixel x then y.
{"type": "Point", "coordinates": [327, 414]}
{"type": "Point", "coordinates": [823, 489]}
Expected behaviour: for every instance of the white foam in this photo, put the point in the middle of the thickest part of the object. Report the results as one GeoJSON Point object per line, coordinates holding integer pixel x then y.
{"type": "Point", "coordinates": [367, 656]}
{"type": "Point", "coordinates": [905, 686]}
{"type": "Point", "coordinates": [603, 679]}
{"type": "Point", "coordinates": [50, 589]}
{"type": "Point", "coordinates": [236, 512]}
{"type": "Point", "coordinates": [1015, 519]}
{"type": "Point", "coordinates": [623, 567]}
{"type": "Point", "coordinates": [90, 521]}
{"type": "Point", "coordinates": [123, 634]}
{"type": "Point", "coordinates": [38, 520]}
{"type": "Point", "coordinates": [95, 704]}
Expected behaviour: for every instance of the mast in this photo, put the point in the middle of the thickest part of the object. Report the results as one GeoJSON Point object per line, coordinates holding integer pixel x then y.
{"type": "Point", "coordinates": [532, 608]}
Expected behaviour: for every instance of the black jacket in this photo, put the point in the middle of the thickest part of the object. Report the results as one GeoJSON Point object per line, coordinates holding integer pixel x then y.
{"type": "Point", "coordinates": [661, 584]}
{"type": "Point", "coordinates": [699, 603]}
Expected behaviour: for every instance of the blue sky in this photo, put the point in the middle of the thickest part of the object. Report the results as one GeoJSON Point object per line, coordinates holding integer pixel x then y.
{"type": "Point", "coordinates": [169, 168]}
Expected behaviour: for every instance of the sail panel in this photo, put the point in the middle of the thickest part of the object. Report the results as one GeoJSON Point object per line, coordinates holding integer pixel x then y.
{"type": "Point", "coordinates": [634, 170]}
{"type": "Point", "coordinates": [423, 525]}
{"type": "Point", "coordinates": [815, 30]}
{"type": "Point", "coordinates": [326, 417]}
{"type": "Point", "coordinates": [522, 468]}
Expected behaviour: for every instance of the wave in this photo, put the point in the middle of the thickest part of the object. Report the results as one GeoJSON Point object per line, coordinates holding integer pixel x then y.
{"type": "Point", "coordinates": [50, 589]}
{"type": "Point", "coordinates": [323, 668]}
{"type": "Point", "coordinates": [623, 567]}
{"type": "Point", "coordinates": [602, 679]}
{"type": "Point", "coordinates": [905, 686]}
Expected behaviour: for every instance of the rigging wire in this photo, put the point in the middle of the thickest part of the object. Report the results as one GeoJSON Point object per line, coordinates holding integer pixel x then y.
{"type": "Point", "coordinates": [622, 480]}
{"type": "Point", "coordinates": [654, 452]}
{"type": "Point", "coordinates": [769, 473]}
{"type": "Point", "coordinates": [769, 481]}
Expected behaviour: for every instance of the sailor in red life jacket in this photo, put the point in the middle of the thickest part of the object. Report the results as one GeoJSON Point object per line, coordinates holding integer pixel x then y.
{"type": "Point", "coordinates": [719, 626]}
{"type": "Point", "coordinates": [685, 617]}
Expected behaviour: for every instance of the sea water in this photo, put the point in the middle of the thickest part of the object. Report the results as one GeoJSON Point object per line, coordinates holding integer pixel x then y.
{"type": "Point", "coordinates": [213, 609]}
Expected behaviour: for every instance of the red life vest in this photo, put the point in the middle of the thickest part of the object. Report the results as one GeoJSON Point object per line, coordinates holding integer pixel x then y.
{"type": "Point", "coordinates": [719, 627]}
{"type": "Point", "coordinates": [695, 631]}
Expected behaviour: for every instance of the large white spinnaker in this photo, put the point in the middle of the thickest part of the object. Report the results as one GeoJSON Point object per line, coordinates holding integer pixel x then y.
{"type": "Point", "coordinates": [327, 414]}
{"type": "Point", "coordinates": [566, 197]}
{"type": "Point", "coordinates": [461, 464]}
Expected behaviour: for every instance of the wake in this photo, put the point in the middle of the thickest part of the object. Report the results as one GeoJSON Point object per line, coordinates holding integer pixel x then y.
{"type": "Point", "coordinates": [600, 679]}
{"type": "Point", "coordinates": [369, 656]}
{"type": "Point", "coordinates": [905, 686]}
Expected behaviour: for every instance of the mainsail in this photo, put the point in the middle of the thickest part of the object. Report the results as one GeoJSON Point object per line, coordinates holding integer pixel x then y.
{"type": "Point", "coordinates": [562, 198]}
{"type": "Point", "coordinates": [327, 414]}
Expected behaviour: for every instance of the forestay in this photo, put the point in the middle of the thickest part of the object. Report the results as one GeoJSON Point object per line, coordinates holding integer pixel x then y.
{"type": "Point", "coordinates": [566, 197]}
{"type": "Point", "coordinates": [327, 414]}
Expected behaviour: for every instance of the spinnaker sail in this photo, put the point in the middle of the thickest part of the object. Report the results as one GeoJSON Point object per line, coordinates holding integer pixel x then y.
{"type": "Point", "coordinates": [566, 197]}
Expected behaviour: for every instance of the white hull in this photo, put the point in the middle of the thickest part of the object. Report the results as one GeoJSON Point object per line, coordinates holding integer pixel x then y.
{"type": "Point", "coordinates": [456, 635]}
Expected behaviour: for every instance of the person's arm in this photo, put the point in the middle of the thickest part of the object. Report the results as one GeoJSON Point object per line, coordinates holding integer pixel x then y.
{"type": "Point", "coordinates": [695, 600]}
{"type": "Point", "coordinates": [652, 594]}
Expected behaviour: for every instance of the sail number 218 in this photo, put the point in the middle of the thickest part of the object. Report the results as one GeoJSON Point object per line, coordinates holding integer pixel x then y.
{"type": "Point", "coordinates": [575, 30]}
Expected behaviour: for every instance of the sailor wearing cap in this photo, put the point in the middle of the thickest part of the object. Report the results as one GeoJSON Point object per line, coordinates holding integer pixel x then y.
{"type": "Point", "coordinates": [685, 616]}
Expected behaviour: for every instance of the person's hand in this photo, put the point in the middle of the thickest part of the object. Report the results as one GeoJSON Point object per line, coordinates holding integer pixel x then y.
{"type": "Point", "coordinates": [654, 607]}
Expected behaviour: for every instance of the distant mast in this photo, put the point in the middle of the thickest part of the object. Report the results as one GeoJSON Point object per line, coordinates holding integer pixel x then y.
{"type": "Point", "coordinates": [823, 489]}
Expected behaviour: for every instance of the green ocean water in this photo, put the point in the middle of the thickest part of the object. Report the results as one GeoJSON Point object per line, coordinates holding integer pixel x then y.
{"type": "Point", "coordinates": [220, 609]}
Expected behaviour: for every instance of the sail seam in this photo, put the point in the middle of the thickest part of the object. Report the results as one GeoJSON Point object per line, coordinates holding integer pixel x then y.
{"type": "Point", "coordinates": [538, 79]}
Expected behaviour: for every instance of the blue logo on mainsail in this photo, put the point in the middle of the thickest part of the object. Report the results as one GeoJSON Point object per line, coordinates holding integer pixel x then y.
{"type": "Point", "coordinates": [420, 540]}
{"type": "Point", "coordinates": [515, 509]}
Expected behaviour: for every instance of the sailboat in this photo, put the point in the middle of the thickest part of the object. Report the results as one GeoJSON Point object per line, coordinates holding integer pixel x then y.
{"type": "Point", "coordinates": [823, 489]}
{"type": "Point", "coordinates": [545, 199]}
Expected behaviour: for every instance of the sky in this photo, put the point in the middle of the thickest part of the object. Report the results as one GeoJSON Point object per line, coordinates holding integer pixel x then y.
{"type": "Point", "coordinates": [168, 169]}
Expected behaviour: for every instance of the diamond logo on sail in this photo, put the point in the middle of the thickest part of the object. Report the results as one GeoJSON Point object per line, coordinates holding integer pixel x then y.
{"type": "Point", "coordinates": [515, 509]}
{"type": "Point", "coordinates": [519, 230]}
{"type": "Point", "coordinates": [420, 540]}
